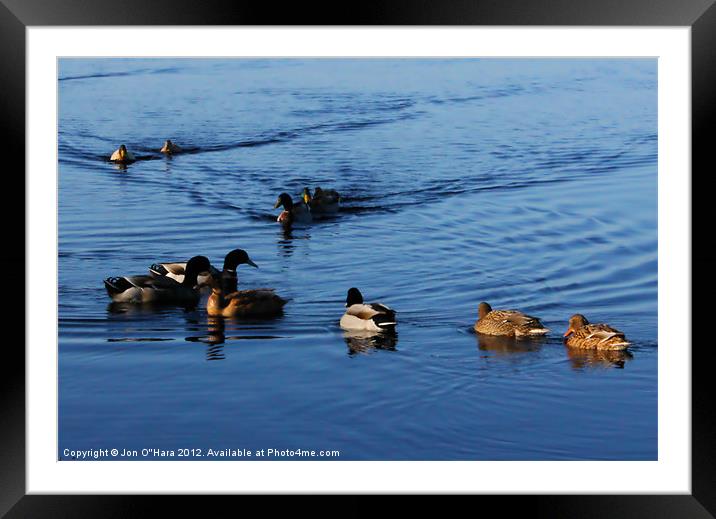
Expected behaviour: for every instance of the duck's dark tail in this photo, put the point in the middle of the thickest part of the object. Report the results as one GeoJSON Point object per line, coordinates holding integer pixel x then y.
{"type": "Point", "coordinates": [385, 321]}
{"type": "Point", "coordinates": [116, 285]}
{"type": "Point", "coordinates": [158, 269]}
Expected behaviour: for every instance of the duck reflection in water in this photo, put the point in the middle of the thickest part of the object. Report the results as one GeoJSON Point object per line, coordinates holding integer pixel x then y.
{"type": "Point", "coordinates": [214, 338]}
{"type": "Point", "coordinates": [595, 359]}
{"type": "Point", "coordinates": [286, 237]}
{"type": "Point", "coordinates": [505, 345]}
{"type": "Point", "coordinates": [364, 341]}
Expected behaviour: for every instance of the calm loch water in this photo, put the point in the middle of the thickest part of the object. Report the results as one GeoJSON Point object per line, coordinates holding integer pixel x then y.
{"type": "Point", "coordinates": [529, 184]}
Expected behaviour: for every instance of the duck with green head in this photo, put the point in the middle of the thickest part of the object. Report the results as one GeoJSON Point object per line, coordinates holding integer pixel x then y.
{"type": "Point", "coordinates": [159, 289]}
{"type": "Point", "coordinates": [292, 213]}
{"type": "Point", "coordinates": [225, 300]}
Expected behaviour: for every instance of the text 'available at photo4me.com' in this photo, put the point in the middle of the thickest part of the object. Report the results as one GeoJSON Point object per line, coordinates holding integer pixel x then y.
{"type": "Point", "coordinates": [155, 453]}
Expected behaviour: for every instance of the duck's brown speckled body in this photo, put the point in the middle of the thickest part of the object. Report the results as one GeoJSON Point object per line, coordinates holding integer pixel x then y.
{"type": "Point", "coordinates": [507, 322]}
{"type": "Point", "coordinates": [582, 334]}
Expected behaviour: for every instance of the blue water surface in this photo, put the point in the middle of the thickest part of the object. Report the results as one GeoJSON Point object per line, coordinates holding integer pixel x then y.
{"type": "Point", "coordinates": [529, 183]}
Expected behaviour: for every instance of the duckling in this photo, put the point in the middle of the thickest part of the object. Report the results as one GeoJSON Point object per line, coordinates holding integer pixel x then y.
{"type": "Point", "coordinates": [507, 322]}
{"type": "Point", "coordinates": [292, 213]}
{"type": "Point", "coordinates": [582, 334]}
{"type": "Point", "coordinates": [325, 202]}
{"type": "Point", "coordinates": [170, 148]}
{"type": "Point", "coordinates": [122, 156]}
{"type": "Point", "coordinates": [372, 317]}
{"type": "Point", "coordinates": [150, 289]}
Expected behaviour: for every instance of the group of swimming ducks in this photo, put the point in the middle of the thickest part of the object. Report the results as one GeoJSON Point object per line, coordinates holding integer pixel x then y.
{"type": "Point", "coordinates": [180, 283]}
{"type": "Point", "coordinates": [323, 202]}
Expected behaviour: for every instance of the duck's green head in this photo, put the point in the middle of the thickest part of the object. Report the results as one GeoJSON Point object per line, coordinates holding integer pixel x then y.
{"type": "Point", "coordinates": [354, 297]}
{"type": "Point", "coordinates": [284, 199]}
{"type": "Point", "coordinates": [483, 309]}
{"type": "Point", "coordinates": [122, 151]}
{"type": "Point", "coordinates": [235, 258]}
{"type": "Point", "coordinates": [194, 267]}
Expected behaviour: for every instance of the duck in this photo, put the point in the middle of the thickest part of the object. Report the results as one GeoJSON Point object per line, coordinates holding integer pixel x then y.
{"type": "Point", "coordinates": [326, 202]}
{"type": "Point", "coordinates": [176, 270]}
{"type": "Point", "coordinates": [170, 148]}
{"type": "Point", "coordinates": [375, 317]}
{"type": "Point", "coordinates": [582, 334]}
{"type": "Point", "coordinates": [162, 289]}
{"type": "Point", "coordinates": [260, 302]}
{"type": "Point", "coordinates": [292, 213]}
{"type": "Point", "coordinates": [122, 155]}
{"type": "Point", "coordinates": [511, 323]}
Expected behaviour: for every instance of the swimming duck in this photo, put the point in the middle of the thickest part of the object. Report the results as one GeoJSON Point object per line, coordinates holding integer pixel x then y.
{"type": "Point", "coordinates": [151, 289]}
{"type": "Point", "coordinates": [122, 156]}
{"type": "Point", "coordinates": [233, 259]}
{"type": "Point", "coordinates": [260, 302]}
{"type": "Point", "coordinates": [581, 334]}
{"type": "Point", "coordinates": [507, 322]}
{"type": "Point", "coordinates": [292, 213]}
{"type": "Point", "coordinates": [170, 148]}
{"type": "Point", "coordinates": [372, 317]}
{"type": "Point", "coordinates": [326, 202]}
{"type": "Point", "coordinates": [176, 271]}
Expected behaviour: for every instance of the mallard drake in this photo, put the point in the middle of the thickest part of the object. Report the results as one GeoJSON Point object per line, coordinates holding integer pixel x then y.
{"type": "Point", "coordinates": [582, 334]}
{"type": "Point", "coordinates": [170, 148]}
{"type": "Point", "coordinates": [507, 322]}
{"type": "Point", "coordinates": [325, 202]}
{"type": "Point", "coordinates": [122, 156]}
{"type": "Point", "coordinates": [152, 289]}
{"type": "Point", "coordinates": [260, 302]}
{"type": "Point", "coordinates": [292, 213]}
{"type": "Point", "coordinates": [176, 271]}
{"type": "Point", "coordinates": [233, 259]}
{"type": "Point", "coordinates": [374, 317]}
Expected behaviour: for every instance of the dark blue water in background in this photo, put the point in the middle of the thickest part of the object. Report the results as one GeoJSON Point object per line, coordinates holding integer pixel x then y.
{"type": "Point", "coordinates": [529, 184]}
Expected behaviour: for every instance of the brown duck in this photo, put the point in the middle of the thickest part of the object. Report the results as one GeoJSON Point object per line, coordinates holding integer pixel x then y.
{"type": "Point", "coordinates": [507, 322]}
{"type": "Point", "coordinates": [581, 334]}
{"type": "Point", "coordinates": [227, 301]}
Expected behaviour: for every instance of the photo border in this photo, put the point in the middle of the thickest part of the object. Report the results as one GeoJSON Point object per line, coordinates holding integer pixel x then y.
{"type": "Point", "coordinates": [700, 15]}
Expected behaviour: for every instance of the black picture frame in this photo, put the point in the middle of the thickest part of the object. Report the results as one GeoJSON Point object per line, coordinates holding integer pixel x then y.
{"type": "Point", "coordinates": [700, 15]}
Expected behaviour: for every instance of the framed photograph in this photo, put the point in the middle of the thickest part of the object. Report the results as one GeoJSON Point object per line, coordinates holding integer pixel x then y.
{"type": "Point", "coordinates": [437, 252]}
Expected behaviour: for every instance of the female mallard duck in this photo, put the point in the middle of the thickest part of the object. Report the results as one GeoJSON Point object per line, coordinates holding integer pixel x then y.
{"type": "Point", "coordinates": [122, 156]}
{"type": "Point", "coordinates": [326, 202]}
{"type": "Point", "coordinates": [374, 317]}
{"type": "Point", "coordinates": [292, 213]}
{"type": "Point", "coordinates": [507, 322]}
{"type": "Point", "coordinates": [170, 148]}
{"type": "Point", "coordinates": [581, 334]}
{"type": "Point", "coordinates": [151, 289]}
